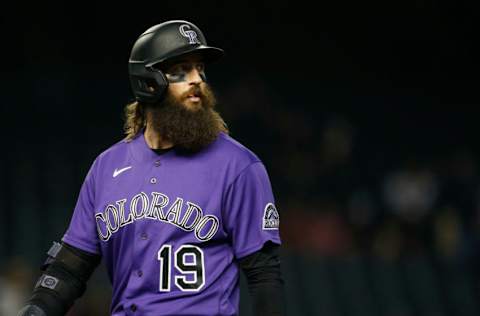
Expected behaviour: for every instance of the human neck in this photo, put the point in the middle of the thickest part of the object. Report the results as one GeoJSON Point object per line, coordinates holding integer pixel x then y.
{"type": "Point", "coordinates": [154, 139]}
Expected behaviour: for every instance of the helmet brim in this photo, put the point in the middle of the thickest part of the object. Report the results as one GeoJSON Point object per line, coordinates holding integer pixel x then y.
{"type": "Point", "coordinates": [207, 54]}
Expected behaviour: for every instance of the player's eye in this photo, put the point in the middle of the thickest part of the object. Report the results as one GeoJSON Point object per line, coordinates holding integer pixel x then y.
{"type": "Point", "coordinates": [179, 72]}
{"type": "Point", "coordinates": [177, 69]}
{"type": "Point", "coordinates": [176, 73]}
{"type": "Point", "coordinates": [200, 67]}
{"type": "Point", "coordinates": [175, 77]}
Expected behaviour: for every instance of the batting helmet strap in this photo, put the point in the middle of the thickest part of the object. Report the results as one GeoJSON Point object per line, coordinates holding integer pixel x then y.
{"type": "Point", "coordinates": [160, 44]}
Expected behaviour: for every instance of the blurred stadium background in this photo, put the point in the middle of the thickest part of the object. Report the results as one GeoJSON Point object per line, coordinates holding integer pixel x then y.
{"type": "Point", "coordinates": [365, 114]}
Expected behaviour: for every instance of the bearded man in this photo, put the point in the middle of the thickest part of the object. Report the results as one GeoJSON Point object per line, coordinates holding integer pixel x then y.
{"type": "Point", "coordinates": [177, 208]}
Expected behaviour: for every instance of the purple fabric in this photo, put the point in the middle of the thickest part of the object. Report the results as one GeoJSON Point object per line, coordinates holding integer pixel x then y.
{"type": "Point", "coordinates": [171, 227]}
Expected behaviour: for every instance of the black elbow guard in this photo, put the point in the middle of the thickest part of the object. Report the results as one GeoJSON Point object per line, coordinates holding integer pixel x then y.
{"type": "Point", "coordinates": [31, 310]}
{"type": "Point", "coordinates": [65, 273]}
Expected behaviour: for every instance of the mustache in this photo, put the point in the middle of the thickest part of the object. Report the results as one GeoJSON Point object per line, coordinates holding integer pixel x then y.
{"type": "Point", "coordinates": [195, 90]}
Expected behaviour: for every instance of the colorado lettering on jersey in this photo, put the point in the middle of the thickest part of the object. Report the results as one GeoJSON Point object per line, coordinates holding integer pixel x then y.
{"type": "Point", "coordinates": [141, 206]}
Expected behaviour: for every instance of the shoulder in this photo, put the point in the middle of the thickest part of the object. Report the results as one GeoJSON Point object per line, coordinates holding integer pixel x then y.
{"type": "Point", "coordinates": [233, 151]}
{"type": "Point", "coordinates": [115, 153]}
{"type": "Point", "coordinates": [117, 148]}
{"type": "Point", "coordinates": [228, 158]}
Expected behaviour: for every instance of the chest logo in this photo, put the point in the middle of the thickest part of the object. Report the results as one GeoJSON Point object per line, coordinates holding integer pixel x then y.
{"type": "Point", "coordinates": [116, 172]}
{"type": "Point", "coordinates": [156, 206]}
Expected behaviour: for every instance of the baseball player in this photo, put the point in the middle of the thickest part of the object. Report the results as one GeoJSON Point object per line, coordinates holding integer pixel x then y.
{"type": "Point", "coordinates": [177, 208]}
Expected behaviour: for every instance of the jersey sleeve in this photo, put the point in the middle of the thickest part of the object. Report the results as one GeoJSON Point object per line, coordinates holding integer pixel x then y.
{"type": "Point", "coordinates": [82, 231]}
{"type": "Point", "coordinates": [251, 217]}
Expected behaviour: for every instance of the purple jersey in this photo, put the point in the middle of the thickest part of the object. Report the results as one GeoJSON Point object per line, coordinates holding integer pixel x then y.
{"type": "Point", "coordinates": [171, 227]}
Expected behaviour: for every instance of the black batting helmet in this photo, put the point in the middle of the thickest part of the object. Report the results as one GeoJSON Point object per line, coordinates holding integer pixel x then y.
{"type": "Point", "coordinates": [161, 43]}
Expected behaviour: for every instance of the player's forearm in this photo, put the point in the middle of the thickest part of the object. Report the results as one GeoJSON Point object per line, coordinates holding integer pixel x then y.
{"type": "Point", "coordinates": [267, 293]}
{"type": "Point", "coordinates": [64, 278]}
{"type": "Point", "coordinates": [265, 283]}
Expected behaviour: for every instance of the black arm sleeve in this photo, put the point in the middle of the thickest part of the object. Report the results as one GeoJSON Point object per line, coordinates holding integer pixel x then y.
{"type": "Point", "coordinates": [65, 273]}
{"type": "Point", "coordinates": [265, 283]}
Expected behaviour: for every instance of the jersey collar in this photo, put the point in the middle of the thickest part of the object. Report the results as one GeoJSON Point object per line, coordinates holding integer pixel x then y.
{"type": "Point", "coordinates": [140, 150]}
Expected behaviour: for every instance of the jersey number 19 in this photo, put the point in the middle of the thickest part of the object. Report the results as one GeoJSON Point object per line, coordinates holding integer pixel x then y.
{"type": "Point", "coordinates": [195, 268]}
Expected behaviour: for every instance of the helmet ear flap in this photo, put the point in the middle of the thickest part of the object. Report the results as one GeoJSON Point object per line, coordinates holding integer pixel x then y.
{"type": "Point", "coordinates": [149, 86]}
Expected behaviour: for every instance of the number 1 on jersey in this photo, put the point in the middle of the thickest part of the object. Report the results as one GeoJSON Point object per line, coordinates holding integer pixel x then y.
{"type": "Point", "coordinates": [165, 268]}
{"type": "Point", "coordinates": [195, 268]}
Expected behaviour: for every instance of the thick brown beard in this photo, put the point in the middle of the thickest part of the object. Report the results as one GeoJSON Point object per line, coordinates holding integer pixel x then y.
{"type": "Point", "coordinates": [189, 130]}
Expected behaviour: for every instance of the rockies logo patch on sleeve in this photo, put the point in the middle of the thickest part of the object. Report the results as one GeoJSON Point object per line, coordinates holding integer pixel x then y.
{"type": "Point", "coordinates": [271, 219]}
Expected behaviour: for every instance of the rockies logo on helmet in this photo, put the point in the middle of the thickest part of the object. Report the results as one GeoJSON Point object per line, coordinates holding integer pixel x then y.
{"type": "Point", "coordinates": [190, 34]}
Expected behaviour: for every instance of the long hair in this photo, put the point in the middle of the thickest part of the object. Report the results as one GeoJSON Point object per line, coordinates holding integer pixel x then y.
{"type": "Point", "coordinates": [135, 119]}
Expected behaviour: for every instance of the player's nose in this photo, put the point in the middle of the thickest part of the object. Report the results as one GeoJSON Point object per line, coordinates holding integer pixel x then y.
{"type": "Point", "coordinates": [194, 77]}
